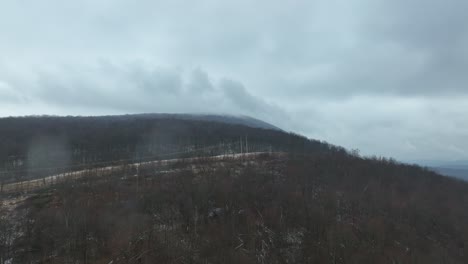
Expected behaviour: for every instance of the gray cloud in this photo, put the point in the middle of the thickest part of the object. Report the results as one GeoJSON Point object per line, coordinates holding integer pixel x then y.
{"type": "Point", "coordinates": [387, 47]}
{"type": "Point", "coordinates": [388, 77]}
{"type": "Point", "coordinates": [7, 94]}
{"type": "Point", "coordinates": [135, 88]}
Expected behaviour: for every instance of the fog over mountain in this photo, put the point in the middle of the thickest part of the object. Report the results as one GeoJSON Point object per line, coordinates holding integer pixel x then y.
{"type": "Point", "coordinates": [234, 131]}
{"type": "Point", "coordinates": [386, 77]}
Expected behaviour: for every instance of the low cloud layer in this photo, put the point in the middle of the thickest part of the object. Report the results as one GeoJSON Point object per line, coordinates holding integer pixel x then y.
{"type": "Point", "coordinates": [387, 77]}
{"type": "Point", "coordinates": [108, 88]}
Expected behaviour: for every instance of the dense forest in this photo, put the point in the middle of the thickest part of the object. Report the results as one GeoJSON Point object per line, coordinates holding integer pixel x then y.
{"type": "Point", "coordinates": [294, 201]}
{"type": "Point", "coordinates": [267, 209]}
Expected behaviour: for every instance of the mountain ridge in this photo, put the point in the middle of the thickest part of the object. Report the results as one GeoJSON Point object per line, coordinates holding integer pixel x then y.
{"type": "Point", "coordinates": [222, 118]}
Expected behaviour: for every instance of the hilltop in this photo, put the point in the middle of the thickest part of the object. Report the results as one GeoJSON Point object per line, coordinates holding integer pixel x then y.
{"type": "Point", "coordinates": [33, 147]}
{"type": "Point", "coordinates": [159, 189]}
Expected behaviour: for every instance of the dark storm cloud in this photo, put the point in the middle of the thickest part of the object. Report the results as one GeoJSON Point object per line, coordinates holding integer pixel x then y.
{"type": "Point", "coordinates": [388, 77]}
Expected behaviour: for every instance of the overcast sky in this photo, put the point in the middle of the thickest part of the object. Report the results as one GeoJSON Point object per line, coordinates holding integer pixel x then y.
{"type": "Point", "coordinates": [388, 77]}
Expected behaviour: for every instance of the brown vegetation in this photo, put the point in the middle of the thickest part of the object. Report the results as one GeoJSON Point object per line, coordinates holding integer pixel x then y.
{"type": "Point", "coordinates": [334, 208]}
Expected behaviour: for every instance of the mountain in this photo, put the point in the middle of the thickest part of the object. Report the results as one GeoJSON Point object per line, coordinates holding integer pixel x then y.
{"type": "Point", "coordinates": [457, 164]}
{"type": "Point", "coordinates": [460, 172]}
{"type": "Point", "coordinates": [190, 189]}
{"type": "Point", "coordinates": [35, 145]}
{"type": "Point", "coordinates": [457, 168]}
{"type": "Point", "coordinates": [229, 119]}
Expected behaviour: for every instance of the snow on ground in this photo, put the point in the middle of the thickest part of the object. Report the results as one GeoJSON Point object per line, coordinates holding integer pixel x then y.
{"type": "Point", "coordinates": [30, 185]}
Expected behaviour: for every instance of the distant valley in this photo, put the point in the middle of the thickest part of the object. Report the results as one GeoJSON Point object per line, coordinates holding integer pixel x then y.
{"type": "Point", "coordinates": [457, 169]}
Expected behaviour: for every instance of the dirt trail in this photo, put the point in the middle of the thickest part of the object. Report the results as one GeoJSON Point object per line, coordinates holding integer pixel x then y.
{"type": "Point", "coordinates": [34, 184]}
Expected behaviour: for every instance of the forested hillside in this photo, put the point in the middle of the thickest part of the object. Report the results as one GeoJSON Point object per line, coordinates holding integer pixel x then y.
{"type": "Point", "coordinates": [38, 146]}
{"type": "Point", "coordinates": [263, 209]}
{"type": "Point", "coordinates": [165, 190]}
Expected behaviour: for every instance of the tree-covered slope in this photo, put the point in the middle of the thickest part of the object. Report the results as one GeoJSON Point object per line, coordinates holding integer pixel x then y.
{"type": "Point", "coordinates": [29, 146]}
